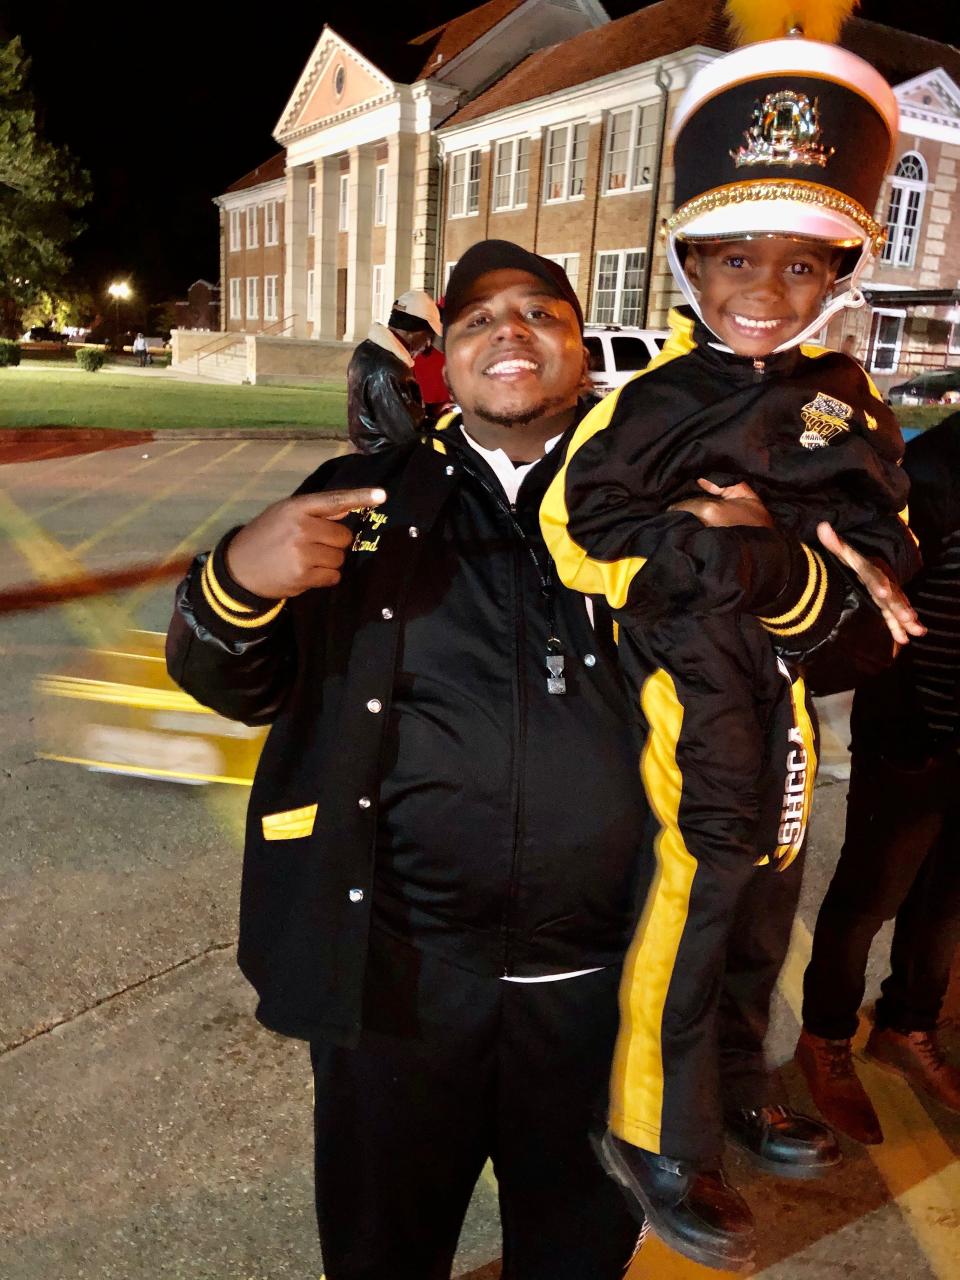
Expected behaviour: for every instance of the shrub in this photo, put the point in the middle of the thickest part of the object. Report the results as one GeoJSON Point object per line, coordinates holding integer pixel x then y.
{"type": "Point", "coordinates": [9, 352]}
{"type": "Point", "coordinates": [90, 358]}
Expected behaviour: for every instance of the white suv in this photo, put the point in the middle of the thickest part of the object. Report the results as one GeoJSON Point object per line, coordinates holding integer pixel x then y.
{"type": "Point", "coordinates": [617, 352]}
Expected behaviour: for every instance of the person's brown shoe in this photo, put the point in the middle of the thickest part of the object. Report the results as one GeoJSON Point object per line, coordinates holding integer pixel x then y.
{"type": "Point", "coordinates": [841, 1099]}
{"type": "Point", "coordinates": [917, 1056]}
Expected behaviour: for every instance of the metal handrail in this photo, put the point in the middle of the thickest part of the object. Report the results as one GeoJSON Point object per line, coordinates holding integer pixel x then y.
{"type": "Point", "coordinates": [234, 340]}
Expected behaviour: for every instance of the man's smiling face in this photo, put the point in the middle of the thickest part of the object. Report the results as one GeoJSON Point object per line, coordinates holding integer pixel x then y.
{"type": "Point", "coordinates": [514, 351]}
{"type": "Point", "coordinates": [757, 294]}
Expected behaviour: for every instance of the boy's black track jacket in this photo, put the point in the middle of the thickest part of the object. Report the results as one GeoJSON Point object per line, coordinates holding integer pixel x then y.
{"type": "Point", "coordinates": [418, 777]}
{"type": "Point", "coordinates": [698, 411]}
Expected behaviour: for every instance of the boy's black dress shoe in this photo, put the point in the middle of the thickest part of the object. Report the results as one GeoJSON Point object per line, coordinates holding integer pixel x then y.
{"type": "Point", "coordinates": [694, 1211]}
{"type": "Point", "coordinates": [781, 1142]}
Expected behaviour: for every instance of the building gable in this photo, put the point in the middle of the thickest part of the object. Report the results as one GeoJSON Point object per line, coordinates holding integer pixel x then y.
{"type": "Point", "coordinates": [336, 80]}
{"type": "Point", "coordinates": [932, 98]}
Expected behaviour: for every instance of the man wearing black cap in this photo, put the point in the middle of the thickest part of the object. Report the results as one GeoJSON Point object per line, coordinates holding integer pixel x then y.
{"type": "Point", "coordinates": [443, 849]}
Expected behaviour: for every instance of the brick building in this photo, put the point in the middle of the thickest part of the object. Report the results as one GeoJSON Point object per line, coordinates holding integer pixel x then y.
{"type": "Point", "coordinates": [544, 122]}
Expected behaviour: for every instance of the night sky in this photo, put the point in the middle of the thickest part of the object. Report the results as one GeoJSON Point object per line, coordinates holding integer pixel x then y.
{"type": "Point", "coordinates": [167, 105]}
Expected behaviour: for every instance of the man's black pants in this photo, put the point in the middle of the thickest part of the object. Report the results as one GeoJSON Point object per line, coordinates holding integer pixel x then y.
{"type": "Point", "coordinates": [451, 1069]}
{"type": "Point", "coordinates": [900, 857]}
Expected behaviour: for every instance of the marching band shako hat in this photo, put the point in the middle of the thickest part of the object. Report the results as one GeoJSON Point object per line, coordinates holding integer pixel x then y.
{"type": "Point", "coordinates": [792, 136]}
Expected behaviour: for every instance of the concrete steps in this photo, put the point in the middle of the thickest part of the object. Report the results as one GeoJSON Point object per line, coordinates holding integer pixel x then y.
{"type": "Point", "coordinates": [229, 365]}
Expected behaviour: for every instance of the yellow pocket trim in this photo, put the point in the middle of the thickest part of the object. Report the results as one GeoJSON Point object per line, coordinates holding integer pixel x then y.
{"type": "Point", "coordinates": [292, 824]}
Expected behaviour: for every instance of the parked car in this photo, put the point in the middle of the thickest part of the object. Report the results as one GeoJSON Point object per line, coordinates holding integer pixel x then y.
{"type": "Point", "coordinates": [41, 333]}
{"type": "Point", "coordinates": [617, 352]}
{"type": "Point", "coordinates": [937, 386]}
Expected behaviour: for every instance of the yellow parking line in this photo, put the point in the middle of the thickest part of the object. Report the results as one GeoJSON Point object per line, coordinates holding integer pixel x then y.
{"type": "Point", "coordinates": [113, 480]}
{"type": "Point", "coordinates": [114, 526]}
{"type": "Point", "coordinates": [97, 621]}
{"type": "Point", "coordinates": [193, 540]}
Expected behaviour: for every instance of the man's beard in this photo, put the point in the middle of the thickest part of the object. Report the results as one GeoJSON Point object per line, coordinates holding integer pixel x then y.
{"type": "Point", "coordinates": [520, 417]}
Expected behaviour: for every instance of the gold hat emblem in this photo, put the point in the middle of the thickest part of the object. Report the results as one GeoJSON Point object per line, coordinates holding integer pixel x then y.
{"type": "Point", "coordinates": [824, 418]}
{"type": "Point", "coordinates": [785, 130]}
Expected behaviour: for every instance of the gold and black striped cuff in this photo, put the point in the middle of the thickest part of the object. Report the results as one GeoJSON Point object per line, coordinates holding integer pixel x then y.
{"type": "Point", "coordinates": [805, 612]}
{"type": "Point", "coordinates": [224, 603]}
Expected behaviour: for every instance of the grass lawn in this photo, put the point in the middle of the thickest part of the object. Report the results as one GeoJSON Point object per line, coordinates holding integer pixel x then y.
{"type": "Point", "coordinates": [40, 394]}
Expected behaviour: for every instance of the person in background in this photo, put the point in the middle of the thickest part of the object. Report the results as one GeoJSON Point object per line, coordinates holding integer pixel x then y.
{"type": "Point", "coordinates": [384, 401]}
{"type": "Point", "coordinates": [901, 856]}
{"type": "Point", "coordinates": [140, 350]}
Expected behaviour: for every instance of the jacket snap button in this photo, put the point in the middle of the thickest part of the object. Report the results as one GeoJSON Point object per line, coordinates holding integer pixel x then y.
{"type": "Point", "coordinates": [590, 660]}
{"type": "Point", "coordinates": [449, 470]}
{"type": "Point", "coordinates": [356, 895]}
{"type": "Point", "coordinates": [413, 531]}
{"type": "Point", "coordinates": [364, 802]}
{"type": "Point", "coordinates": [374, 705]}
{"type": "Point", "coordinates": [386, 614]}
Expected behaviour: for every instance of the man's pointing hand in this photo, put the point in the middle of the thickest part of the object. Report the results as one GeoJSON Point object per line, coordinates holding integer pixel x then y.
{"type": "Point", "coordinates": [298, 543]}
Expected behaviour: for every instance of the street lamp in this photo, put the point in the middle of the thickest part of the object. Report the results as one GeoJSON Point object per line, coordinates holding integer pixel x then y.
{"type": "Point", "coordinates": [119, 290]}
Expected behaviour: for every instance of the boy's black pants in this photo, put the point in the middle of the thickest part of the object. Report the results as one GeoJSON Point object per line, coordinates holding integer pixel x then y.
{"type": "Point", "coordinates": [900, 858]}
{"type": "Point", "coordinates": [454, 1068]}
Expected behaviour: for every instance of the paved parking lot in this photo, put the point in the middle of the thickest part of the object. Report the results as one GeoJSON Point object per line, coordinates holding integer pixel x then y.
{"type": "Point", "coordinates": [148, 1126]}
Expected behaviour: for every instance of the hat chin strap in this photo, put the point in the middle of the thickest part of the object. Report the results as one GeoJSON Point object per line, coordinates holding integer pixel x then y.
{"type": "Point", "coordinates": [852, 297]}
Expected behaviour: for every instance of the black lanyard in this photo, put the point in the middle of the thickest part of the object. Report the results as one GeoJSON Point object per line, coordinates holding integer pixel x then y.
{"type": "Point", "coordinates": [555, 657]}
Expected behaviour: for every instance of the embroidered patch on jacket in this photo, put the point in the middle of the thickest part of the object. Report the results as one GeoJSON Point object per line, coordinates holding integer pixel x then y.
{"type": "Point", "coordinates": [368, 535]}
{"type": "Point", "coordinates": [824, 419]}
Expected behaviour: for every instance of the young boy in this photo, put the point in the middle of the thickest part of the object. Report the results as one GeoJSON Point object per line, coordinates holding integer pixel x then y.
{"type": "Point", "coordinates": [779, 152]}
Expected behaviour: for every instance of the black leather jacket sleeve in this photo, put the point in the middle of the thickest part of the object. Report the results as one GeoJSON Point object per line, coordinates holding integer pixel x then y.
{"type": "Point", "coordinates": [384, 403]}
{"type": "Point", "coordinates": [244, 674]}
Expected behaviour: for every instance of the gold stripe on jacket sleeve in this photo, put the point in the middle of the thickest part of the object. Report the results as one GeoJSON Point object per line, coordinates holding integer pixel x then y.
{"type": "Point", "coordinates": [259, 620]}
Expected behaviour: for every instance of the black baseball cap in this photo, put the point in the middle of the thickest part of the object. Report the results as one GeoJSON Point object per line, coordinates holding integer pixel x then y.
{"type": "Point", "coordinates": [500, 255]}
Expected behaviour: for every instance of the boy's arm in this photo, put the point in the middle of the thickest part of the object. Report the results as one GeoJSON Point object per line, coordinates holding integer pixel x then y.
{"type": "Point", "coordinates": [603, 521]}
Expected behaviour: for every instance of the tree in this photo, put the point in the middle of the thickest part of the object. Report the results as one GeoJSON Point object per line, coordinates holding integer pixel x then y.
{"type": "Point", "coordinates": [40, 190]}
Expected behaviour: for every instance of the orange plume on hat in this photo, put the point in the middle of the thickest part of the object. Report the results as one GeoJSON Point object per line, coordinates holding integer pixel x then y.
{"type": "Point", "coordinates": [754, 20]}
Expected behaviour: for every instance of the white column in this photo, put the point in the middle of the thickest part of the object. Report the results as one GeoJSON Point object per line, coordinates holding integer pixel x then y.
{"type": "Point", "coordinates": [401, 185]}
{"type": "Point", "coordinates": [359, 224]}
{"type": "Point", "coordinates": [295, 250]}
{"type": "Point", "coordinates": [325, 248]}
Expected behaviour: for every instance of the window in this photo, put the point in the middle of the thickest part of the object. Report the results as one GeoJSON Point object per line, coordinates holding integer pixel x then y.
{"type": "Point", "coordinates": [464, 183]}
{"type": "Point", "coordinates": [235, 237]}
{"type": "Point", "coordinates": [953, 341]}
{"type": "Point", "coordinates": [566, 163]}
{"type": "Point", "coordinates": [379, 274]}
{"type": "Point", "coordinates": [252, 227]}
{"type": "Point", "coordinates": [380, 196]}
{"type": "Point", "coordinates": [886, 334]}
{"type": "Point", "coordinates": [270, 226]}
{"type": "Point", "coordinates": [618, 294]}
{"type": "Point", "coordinates": [343, 217]}
{"type": "Point", "coordinates": [629, 354]}
{"type": "Point", "coordinates": [631, 149]}
{"type": "Point", "coordinates": [252, 297]}
{"type": "Point", "coordinates": [907, 189]}
{"type": "Point", "coordinates": [570, 263]}
{"type": "Point", "coordinates": [311, 295]}
{"type": "Point", "coordinates": [511, 173]}
{"type": "Point", "coordinates": [270, 297]}
{"type": "Point", "coordinates": [447, 273]}
{"type": "Point", "coordinates": [236, 302]}
{"type": "Point", "coordinates": [312, 209]}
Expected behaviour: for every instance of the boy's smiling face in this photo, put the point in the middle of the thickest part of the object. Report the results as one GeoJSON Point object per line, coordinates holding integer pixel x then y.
{"type": "Point", "coordinates": [757, 294]}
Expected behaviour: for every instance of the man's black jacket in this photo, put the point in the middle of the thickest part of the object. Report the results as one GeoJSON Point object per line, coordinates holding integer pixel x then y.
{"type": "Point", "coordinates": [329, 670]}
{"type": "Point", "coordinates": [384, 404]}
